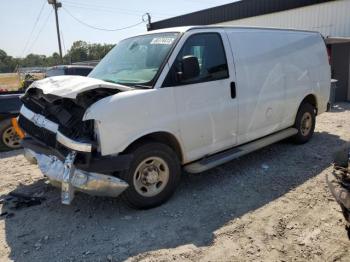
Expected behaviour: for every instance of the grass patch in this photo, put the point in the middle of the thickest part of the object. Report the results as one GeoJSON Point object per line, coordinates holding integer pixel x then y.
{"type": "Point", "coordinates": [9, 81]}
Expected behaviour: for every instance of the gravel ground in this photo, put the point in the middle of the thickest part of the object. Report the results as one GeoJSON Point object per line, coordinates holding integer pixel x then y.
{"type": "Point", "coordinates": [271, 205]}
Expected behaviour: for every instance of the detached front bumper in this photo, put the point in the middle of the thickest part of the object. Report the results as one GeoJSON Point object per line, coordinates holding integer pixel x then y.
{"type": "Point", "coordinates": [65, 175]}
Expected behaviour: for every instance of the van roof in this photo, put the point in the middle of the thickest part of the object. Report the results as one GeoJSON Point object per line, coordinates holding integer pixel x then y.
{"type": "Point", "coordinates": [183, 29]}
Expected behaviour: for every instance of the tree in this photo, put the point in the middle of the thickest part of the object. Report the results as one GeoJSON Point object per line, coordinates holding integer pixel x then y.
{"type": "Point", "coordinates": [98, 51]}
{"type": "Point", "coordinates": [2, 55]}
{"type": "Point", "coordinates": [32, 60]}
{"type": "Point", "coordinates": [7, 63]}
{"type": "Point", "coordinates": [53, 60]}
{"type": "Point", "coordinates": [83, 51]}
{"type": "Point", "coordinates": [80, 51]}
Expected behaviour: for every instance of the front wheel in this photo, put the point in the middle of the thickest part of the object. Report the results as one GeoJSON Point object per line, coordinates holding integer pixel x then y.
{"type": "Point", "coordinates": [152, 177]}
{"type": "Point", "coordinates": [305, 123]}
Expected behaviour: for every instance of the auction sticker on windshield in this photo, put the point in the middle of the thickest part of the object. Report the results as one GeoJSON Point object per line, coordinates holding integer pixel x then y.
{"type": "Point", "coordinates": [162, 41]}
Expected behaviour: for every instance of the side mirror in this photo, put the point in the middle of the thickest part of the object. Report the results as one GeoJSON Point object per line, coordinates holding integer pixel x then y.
{"type": "Point", "coordinates": [190, 67]}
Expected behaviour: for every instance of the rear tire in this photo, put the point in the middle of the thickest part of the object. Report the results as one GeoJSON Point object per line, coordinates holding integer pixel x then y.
{"type": "Point", "coordinates": [305, 123]}
{"type": "Point", "coordinates": [153, 176]}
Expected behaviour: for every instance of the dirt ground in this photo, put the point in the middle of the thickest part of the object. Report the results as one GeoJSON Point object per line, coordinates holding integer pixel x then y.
{"type": "Point", "coordinates": [271, 205]}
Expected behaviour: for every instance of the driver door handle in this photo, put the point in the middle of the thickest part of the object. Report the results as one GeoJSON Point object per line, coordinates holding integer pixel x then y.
{"type": "Point", "coordinates": [233, 90]}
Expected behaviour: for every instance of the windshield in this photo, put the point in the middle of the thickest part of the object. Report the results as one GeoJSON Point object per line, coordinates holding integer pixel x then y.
{"type": "Point", "coordinates": [135, 61]}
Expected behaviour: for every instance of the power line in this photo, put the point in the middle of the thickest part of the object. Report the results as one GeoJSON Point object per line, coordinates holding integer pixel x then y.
{"type": "Point", "coordinates": [102, 9]}
{"type": "Point", "coordinates": [110, 8]}
{"type": "Point", "coordinates": [110, 11]}
{"type": "Point", "coordinates": [99, 28]}
{"type": "Point", "coordinates": [32, 31]}
{"type": "Point", "coordinates": [41, 29]}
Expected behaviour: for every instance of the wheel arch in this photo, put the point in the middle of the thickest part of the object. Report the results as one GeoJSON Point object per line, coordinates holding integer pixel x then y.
{"type": "Point", "coordinates": [311, 99]}
{"type": "Point", "coordinates": [161, 137]}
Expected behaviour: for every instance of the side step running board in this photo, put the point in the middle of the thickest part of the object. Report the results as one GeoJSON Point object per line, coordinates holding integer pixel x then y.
{"type": "Point", "coordinates": [228, 155]}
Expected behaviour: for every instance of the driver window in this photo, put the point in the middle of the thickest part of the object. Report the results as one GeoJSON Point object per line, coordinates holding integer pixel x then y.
{"type": "Point", "coordinates": [210, 53]}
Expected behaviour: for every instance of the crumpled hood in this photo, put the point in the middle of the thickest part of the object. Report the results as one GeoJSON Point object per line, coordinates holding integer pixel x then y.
{"type": "Point", "coordinates": [71, 86]}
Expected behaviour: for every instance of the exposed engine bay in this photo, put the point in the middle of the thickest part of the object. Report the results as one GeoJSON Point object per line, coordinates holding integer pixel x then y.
{"type": "Point", "coordinates": [66, 112]}
{"type": "Point", "coordinates": [52, 117]}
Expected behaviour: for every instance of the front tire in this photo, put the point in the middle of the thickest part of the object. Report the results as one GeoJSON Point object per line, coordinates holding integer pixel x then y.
{"type": "Point", "coordinates": [9, 139]}
{"type": "Point", "coordinates": [153, 176]}
{"type": "Point", "coordinates": [305, 123]}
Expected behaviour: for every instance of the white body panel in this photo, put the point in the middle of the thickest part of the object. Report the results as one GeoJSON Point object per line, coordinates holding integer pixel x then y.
{"type": "Point", "coordinates": [274, 70]}
{"type": "Point", "coordinates": [206, 113]}
{"type": "Point", "coordinates": [127, 116]}
{"type": "Point", "coordinates": [70, 86]}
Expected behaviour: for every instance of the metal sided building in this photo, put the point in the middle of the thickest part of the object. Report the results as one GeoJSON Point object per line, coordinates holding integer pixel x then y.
{"type": "Point", "coordinates": [330, 17]}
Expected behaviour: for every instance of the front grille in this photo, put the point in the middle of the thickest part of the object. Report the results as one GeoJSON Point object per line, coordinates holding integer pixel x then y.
{"type": "Point", "coordinates": [32, 106]}
{"type": "Point", "coordinates": [42, 134]}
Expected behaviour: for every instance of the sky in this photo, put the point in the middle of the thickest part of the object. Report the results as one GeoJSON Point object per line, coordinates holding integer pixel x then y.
{"type": "Point", "coordinates": [24, 31]}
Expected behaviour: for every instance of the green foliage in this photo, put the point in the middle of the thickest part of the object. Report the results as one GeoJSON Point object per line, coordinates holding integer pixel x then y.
{"type": "Point", "coordinates": [7, 63]}
{"type": "Point", "coordinates": [80, 51]}
{"type": "Point", "coordinates": [83, 51]}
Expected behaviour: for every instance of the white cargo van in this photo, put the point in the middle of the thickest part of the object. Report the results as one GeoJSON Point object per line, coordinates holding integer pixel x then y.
{"type": "Point", "coordinates": [189, 97]}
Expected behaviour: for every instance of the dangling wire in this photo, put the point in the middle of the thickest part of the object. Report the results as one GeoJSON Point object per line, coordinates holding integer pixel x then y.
{"type": "Point", "coordinates": [99, 28]}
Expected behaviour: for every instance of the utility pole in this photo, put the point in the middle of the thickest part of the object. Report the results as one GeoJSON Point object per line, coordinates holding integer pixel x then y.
{"type": "Point", "coordinates": [57, 5]}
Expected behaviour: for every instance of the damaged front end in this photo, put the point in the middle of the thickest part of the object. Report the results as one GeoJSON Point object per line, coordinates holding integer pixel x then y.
{"type": "Point", "coordinates": [65, 147]}
{"type": "Point", "coordinates": [70, 179]}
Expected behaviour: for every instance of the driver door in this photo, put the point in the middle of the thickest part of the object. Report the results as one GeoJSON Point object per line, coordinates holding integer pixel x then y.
{"type": "Point", "coordinates": [207, 103]}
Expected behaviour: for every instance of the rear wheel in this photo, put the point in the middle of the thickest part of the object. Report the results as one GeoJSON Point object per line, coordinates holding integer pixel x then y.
{"type": "Point", "coordinates": [9, 137]}
{"type": "Point", "coordinates": [305, 123]}
{"type": "Point", "coordinates": [152, 177]}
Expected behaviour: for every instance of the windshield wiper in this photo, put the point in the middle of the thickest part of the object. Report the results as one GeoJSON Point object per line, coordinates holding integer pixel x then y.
{"type": "Point", "coordinates": [135, 86]}
{"type": "Point", "coordinates": [110, 81]}
{"type": "Point", "coordinates": [142, 86]}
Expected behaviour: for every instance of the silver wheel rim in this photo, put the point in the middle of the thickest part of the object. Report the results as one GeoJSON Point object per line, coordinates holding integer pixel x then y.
{"type": "Point", "coordinates": [151, 176]}
{"type": "Point", "coordinates": [10, 138]}
{"type": "Point", "coordinates": [306, 124]}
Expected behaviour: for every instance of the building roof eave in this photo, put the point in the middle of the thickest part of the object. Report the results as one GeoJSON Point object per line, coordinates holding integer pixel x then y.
{"type": "Point", "coordinates": [233, 11]}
